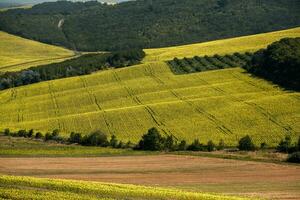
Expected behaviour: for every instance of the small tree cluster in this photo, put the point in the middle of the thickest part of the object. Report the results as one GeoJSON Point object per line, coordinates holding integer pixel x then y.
{"type": "Point", "coordinates": [246, 144]}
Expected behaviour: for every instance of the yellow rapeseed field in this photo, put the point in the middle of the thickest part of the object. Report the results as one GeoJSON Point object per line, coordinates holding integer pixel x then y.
{"type": "Point", "coordinates": [14, 187]}
{"type": "Point", "coordinates": [17, 53]}
{"type": "Point", "coordinates": [227, 46]}
{"type": "Point", "coordinates": [223, 104]}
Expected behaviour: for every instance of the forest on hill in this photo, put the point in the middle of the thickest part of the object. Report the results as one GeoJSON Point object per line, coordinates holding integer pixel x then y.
{"type": "Point", "coordinates": [93, 26]}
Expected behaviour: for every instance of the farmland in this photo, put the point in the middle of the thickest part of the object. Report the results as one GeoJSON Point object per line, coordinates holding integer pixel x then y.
{"type": "Point", "coordinates": [189, 173]}
{"type": "Point", "coordinates": [17, 53]}
{"type": "Point", "coordinates": [34, 188]}
{"type": "Point", "coordinates": [226, 46]}
{"type": "Point", "coordinates": [222, 104]}
{"type": "Point", "coordinates": [21, 147]}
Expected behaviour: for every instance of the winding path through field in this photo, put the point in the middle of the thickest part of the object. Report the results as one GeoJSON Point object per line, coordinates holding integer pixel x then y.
{"type": "Point", "coordinates": [185, 172]}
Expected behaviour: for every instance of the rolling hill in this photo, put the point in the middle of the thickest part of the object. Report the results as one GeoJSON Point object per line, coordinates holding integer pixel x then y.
{"type": "Point", "coordinates": [93, 26]}
{"type": "Point", "coordinates": [18, 53]}
{"type": "Point", "coordinates": [222, 104]}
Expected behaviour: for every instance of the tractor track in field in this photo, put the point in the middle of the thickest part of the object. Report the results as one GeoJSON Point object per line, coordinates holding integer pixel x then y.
{"type": "Point", "coordinates": [222, 128]}
{"type": "Point", "coordinates": [93, 99]}
{"type": "Point", "coordinates": [56, 108]}
{"type": "Point", "coordinates": [149, 110]}
{"type": "Point", "coordinates": [258, 108]}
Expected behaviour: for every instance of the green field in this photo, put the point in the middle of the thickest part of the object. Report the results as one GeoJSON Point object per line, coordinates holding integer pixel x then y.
{"type": "Point", "coordinates": [17, 53]}
{"type": "Point", "coordinates": [221, 104]}
{"type": "Point", "coordinates": [24, 147]}
{"type": "Point", "coordinates": [14, 187]}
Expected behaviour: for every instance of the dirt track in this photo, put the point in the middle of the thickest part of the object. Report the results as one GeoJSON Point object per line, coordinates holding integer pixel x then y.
{"type": "Point", "coordinates": [187, 172]}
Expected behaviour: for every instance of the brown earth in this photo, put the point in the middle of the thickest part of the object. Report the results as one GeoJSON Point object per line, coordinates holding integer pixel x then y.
{"type": "Point", "coordinates": [275, 181]}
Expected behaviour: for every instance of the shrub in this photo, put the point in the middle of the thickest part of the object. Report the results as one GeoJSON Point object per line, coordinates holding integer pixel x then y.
{"type": "Point", "coordinates": [30, 133]}
{"type": "Point", "coordinates": [196, 146]}
{"type": "Point", "coordinates": [38, 135]}
{"type": "Point", "coordinates": [284, 145]}
{"type": "Point", "coordinates": [48, 136]}
{"type": "Point", "coordinates": [221, 145]}
{"type": "Point", "coordinates": [263, 145]}
{"type": "Point", "coordinates": [182, 145]}
{"type": "Point", "coordinates": [96, 138]}
{"type": "Point", "coordinates": [169, 143]}
{"type": "Point", "coordinates": [113, 141]}
{"type": "Point", "coordinates": [129, 145]}
{"type": "Point", "coordinates": [211, 146]}
{"type": "Point", "coordinates": [294, 157]}
{"type": "Point", "coordinates": [7, 132]}
{"type": "Point", "coordinates": [121, 145]}
{"type": "Point", "coordinates": [151, 141]}
{"type": "Point", "coordinates": [22, 133]}
{"type": "Point", "coordinates": [75, 138]}
{"type": "Point", "coordinates": [246, 144]}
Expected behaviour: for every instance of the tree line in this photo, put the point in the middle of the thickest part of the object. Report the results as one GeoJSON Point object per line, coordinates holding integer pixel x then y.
{"type": "Point", "coordinates": [153, 140]}
{"type": "Point", "coordinates": [279, 63]}
{"type": "Point", "coordinates": [82, 65]}
{"type": "Point", "coordinates": [93, 26]}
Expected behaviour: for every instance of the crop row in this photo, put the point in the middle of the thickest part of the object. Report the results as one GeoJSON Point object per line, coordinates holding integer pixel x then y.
{"type": "Point", "coordinates": [201, 64]}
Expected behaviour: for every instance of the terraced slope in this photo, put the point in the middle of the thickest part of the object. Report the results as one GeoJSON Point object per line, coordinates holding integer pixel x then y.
{"type": "Point", "coordinates": [13, 187]}
{"type": "Point", "coordinates": [223, 104]}
{"type": "Point", "coordinates": [227, 46]}
{"type": "Point", "coordinates": [18, 53]}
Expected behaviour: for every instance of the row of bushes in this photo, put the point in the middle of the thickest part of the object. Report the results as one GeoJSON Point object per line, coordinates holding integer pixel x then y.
{"type": "Point", "coordinates": [153, 140]}
{"type": "Point", "coordinates": [200, 64]}
{"type": "Point", "coordinates": [82, 65]}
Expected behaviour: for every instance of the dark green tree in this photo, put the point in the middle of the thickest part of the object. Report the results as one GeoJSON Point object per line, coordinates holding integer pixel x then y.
{"type": "Point", "coordinates": [285, 144]}
{"type": "Point", "coordinates": [113, 141]}
{"type": "Point", "coordinates": [246, 144]}
{"type": "Point", "coordinates": [182, 145]}
{"type": "Point", "coordinates": [7, 132]}
{"type": "Point", "coordinates": [211, 146]}
{"type": "Point", "coordinates": [151, 141]}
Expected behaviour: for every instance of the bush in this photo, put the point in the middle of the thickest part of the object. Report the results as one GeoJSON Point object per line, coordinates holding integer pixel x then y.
{"type": "Point", "coordinates": [96, 138]}
{"type": "Point", "coordinates": [221, 145]}
{"type": "Point", "coordinates": [7, 132]}
{"type": "Point", "coordinates": [39, 135]}
{"type": "Point", "coordinates": [169, 143]}
{"type": "Point", "coordinates": [263, 146]}
{"type": "Point", "coordinates": [196, 146]}
{"type": "Point", "coordinates": [22, 133]}
{"type": "Point", "coordinates": [151, 141]}
{"type": "Point", "coordinates": [294, 157]}
{"type": "Point", "coordinates": [121, 145]}
{"type": "Point", "coordinates": [284, 145]}
{"type": "Point", "coordinates": [246, 144]}
{"type": "Point", "coordinates": [211, 146]}
{"type": "Point", "coordinates": [48, 137]}
{"type": "Point", "coordinates": [113, 141]}
{"type": "Point", "coordinates": [75, 138]}
{"type": "Point", "coordinates": [182, 145]}
{"type": "Point", "coordinates": [30, 133]}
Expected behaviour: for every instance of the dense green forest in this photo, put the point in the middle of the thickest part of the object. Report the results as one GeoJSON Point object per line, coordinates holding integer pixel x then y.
{"type": "Point", "coordinates": [82, 65]}
{"type": "Point", "coordinates": [206, 63]}
{"type": "Point", "coordinates": [280, 63]}
{"type": "Point", "coordinates": [93, 26]}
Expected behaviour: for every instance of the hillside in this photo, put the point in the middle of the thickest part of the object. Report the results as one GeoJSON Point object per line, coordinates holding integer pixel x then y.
{"type": "Point", "coordinates": [18, 53]}
{"type": "Point", "coordinates": [157, 23]}
{"type": "Point", "coordinates": [223, 104]}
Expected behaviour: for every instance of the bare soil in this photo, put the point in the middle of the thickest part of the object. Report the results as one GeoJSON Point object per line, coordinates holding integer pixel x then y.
{"type": "Point", "coordinates": [267, 180]}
